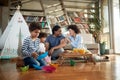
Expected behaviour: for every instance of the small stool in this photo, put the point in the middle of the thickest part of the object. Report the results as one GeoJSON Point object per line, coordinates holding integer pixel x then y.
{"type": "Point", "coordinates": [63, 56]}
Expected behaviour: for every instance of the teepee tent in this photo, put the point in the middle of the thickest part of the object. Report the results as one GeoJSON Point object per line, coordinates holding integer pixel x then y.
{"type": "Point", "coordinates": [13, 36]}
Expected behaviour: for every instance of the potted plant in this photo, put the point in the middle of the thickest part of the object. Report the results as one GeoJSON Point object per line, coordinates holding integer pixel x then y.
{"type": "Point", "coordinates": [96, 22]}
{"type": "Point", "coordinates": [102, 48]}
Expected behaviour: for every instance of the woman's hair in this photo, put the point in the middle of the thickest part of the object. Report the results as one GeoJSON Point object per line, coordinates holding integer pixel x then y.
{"type": "Point", "coordinates": [33, 26]}
{"type": "Point", "coordinates": [55, 28]}
{"type": "Point", "coordinates": [74, 28]}
{"type": "Point", "coordinates": [42, 35]}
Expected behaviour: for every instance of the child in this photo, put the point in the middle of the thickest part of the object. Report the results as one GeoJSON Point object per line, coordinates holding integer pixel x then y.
{"type": "Point", "coordinates": [42, 48]}
{"type": "Point", "coordinates": [30, 47]}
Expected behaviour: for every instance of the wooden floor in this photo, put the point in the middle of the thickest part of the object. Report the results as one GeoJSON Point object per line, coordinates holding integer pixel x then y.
{"type": "Point", "coordinates": [81, 71]}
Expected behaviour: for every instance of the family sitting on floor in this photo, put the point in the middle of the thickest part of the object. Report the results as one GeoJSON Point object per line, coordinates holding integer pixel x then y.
{"type": "Point", "coordinates": [39, 49]}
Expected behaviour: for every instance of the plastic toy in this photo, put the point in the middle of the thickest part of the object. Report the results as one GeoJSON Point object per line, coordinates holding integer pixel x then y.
{"type": "Point", "coordinates": [54, 65]}
{"type": "Point", "coordinates": [49, 69]}
{"type": "Point", "coordinates": [25, 68]}
{"type": "Point", "coordinates": [72, 63]}
{"type": "Point", "coordinates": [42, 56]}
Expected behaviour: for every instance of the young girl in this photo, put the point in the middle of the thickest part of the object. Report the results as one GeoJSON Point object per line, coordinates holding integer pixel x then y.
{"type": "Point", "coordinates": [30, 47]}
{"type": "Point", "coordinates": [42, 48]}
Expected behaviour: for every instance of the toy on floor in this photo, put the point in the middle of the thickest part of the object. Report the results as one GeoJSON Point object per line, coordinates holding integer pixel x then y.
{"type": "Point", "coordinates": [49, 69]}
{"type": "Point", "coordinates": [72, 63]}
{"type": "Point", "coordinates": [54, 65]}
{"type": "Point", "coordinates": [25, 68]}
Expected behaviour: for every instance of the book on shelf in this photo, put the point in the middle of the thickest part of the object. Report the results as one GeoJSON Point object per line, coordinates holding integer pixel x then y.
{"type": "Point", "coordinates": [85, 25]}
{"type": "Point", "coordinates": [75, 14]}
{"type": "Point", "coordinates": [61, 18]}
{"type": "Point", "coordinates": [53, 20]}
{"type": "Point", "coordinates": [76, 19]}
{"type": "Point", "coordinates": [70, 19]}
{"type": "Point", "coordinates": [40, 19]}
{"type": "Point", "coordinates": [87, 30]}
{"type": "Point", "coordinates": [82, 28]}
{"type": "Point", "coordinates": [82, 31]}
{"type": "Point", "coordinates": [63, 23]}
{"type": "Point", "coordinates": [70, 14]}
{"type": "Point", "coordinates": [81, 14]}
{"type": "Point", "coordinates": [34, 19]}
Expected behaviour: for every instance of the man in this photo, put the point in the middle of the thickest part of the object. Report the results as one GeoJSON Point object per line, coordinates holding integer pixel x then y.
{"type": "Point", "coordinates": [55, 42]}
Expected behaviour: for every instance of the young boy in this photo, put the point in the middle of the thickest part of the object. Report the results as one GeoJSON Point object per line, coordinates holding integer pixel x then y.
{"type": "Point", "coordinates": [30, 47]}
{"type": "Point", "coordinates": [42, 36]}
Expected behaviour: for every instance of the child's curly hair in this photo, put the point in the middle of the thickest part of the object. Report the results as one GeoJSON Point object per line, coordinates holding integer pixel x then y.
{"type": "Point", "coordinates": [42, 35]}
{"type": "Point", "coordinates": [33, 26]}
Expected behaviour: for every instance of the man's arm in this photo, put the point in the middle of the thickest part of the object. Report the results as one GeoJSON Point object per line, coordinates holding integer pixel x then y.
{"type": "Point", "coordinates": [61, 45]}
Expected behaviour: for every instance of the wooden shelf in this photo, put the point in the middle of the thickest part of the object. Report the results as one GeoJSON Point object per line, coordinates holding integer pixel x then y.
{"type": "Point", "coordinates": [35, 21]}
{"type": "Point", "coordinates": [45, 28]}
{"type": "Point", "coordinates": [27, 10]}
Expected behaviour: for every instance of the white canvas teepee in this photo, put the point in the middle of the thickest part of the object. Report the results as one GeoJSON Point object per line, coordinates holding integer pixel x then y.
{"type": "Point", "coordinates": [13, 36]}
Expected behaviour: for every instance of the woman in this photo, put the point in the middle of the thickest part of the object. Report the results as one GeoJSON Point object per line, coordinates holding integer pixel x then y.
{"type": "Point", "coordinates": [75, 41]}
{"type": "Point", "coordinates": [73, 38]}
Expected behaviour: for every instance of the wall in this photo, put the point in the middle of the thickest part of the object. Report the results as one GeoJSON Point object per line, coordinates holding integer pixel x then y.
{"type": "Point", "coordinates": [5, 17]}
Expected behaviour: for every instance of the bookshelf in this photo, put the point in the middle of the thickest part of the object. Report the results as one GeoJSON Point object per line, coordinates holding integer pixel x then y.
{"type": "Point", "coordinates": [62, 20]}
{"type": "Point", "coordinates": [40, 19]}
{"type": "Point", "coordinates": [80, 20]}
{"type": "Point", "coordinates": [59, 20]}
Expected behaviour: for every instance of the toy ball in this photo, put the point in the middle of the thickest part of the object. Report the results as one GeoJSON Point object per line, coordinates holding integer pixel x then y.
{"type": "Point", "coordinates": [25, 68]}
{"type": "Point", "coordinates": [49, 69]}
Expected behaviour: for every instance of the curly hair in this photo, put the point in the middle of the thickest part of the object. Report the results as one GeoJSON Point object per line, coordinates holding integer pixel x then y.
{"type": "Point", "coordinates": [74, 28]}
{"type": "Point", "coordinates": [42, 34]}
{"type": "Point", "coordinates": [33, 26]}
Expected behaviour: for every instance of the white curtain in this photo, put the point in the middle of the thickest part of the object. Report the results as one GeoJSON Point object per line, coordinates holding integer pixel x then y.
{"type": "Point", "coordinates": [15, 31]}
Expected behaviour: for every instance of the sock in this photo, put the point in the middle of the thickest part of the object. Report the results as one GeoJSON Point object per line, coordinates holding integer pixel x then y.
{"type": "Point", "coordinates": [37, 67]}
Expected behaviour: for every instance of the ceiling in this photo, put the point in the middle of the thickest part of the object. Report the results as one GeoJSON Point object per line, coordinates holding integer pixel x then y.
{"type": "Point", "coordinates": [53, 7]}
{"type": "Point", "coordinates": [47, 2]}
